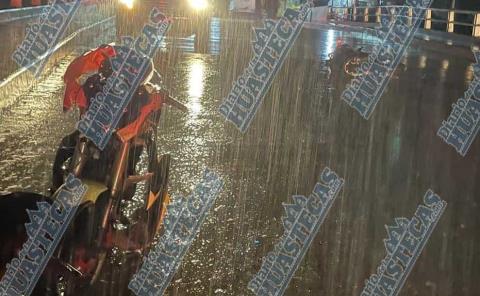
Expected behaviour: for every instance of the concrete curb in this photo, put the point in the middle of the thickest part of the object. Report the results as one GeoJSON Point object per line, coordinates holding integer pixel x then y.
{"type": "Point", "coordinates": [11, 15]}
{"type": "Point", "coordinates": [21, 79]}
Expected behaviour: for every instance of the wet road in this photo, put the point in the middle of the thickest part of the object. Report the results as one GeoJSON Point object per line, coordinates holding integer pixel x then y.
{"type": "Point", "coordinates": [302, 126]}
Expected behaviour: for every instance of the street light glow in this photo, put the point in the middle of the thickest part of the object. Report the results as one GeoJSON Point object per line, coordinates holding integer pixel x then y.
{"type": "Point", "coordinates": [128, 3]}
{"type": "Point", "coordinates": [199, 4]}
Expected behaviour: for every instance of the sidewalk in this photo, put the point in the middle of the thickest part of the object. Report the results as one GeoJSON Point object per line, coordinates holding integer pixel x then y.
{"type": "Point", "coordinates": [451, 39]}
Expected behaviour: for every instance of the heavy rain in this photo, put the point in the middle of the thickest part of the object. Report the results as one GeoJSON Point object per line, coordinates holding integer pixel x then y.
{"type": "Point", "coordinates": [302, 126]}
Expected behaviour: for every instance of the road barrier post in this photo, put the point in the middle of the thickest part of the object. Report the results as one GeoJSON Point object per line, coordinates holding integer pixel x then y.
{"type": "Point", "coordinates": [428, 19]}
{"type": "Point", "coordinates": [476, 26]}
{"type": "Point", "coordinates": [451, 21]}
{"type": "Point", "coordinates": [15, 3]}
{"type": "Point", "coordinates": [410, 16]}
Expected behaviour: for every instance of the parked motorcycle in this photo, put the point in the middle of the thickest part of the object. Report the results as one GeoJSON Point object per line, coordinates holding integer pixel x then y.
{"type": "Point", "coordinates": [111, 176]}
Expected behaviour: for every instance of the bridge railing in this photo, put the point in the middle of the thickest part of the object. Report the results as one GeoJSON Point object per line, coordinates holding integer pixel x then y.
{"type": "Point", "coordinates": [449, 17]}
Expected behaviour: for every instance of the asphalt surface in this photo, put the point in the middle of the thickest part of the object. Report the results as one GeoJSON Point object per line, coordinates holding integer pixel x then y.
{"type": "Point", "coordinates": [388, 162]}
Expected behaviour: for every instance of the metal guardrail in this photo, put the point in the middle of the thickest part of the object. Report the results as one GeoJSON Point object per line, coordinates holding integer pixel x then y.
{"type": "Point", "coordinates": [366, 14]}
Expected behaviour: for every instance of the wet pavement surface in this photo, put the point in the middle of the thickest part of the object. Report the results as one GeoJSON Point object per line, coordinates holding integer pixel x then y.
{"type": "Point", "coordinates": [388, 162]}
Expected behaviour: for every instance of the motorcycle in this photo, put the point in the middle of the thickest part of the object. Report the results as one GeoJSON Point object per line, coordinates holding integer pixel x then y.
{"type": "Point", "coordinates": [347, 59]}
{"type": "Point", "coordinates": [111, 177]}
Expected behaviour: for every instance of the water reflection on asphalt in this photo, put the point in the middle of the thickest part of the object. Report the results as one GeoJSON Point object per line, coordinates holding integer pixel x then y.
{"type": "Point", "coordinates": [302, 126]}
